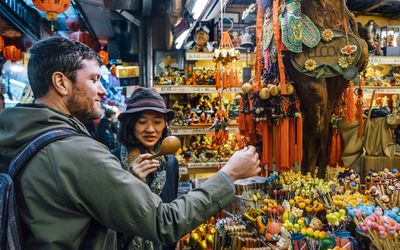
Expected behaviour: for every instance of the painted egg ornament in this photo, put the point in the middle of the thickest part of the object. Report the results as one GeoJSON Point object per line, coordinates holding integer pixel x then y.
{"type": "Point", "coordinates": [273, 89]}
{"type": "Point", "coordinates": [247, 87]}
{"type": "Point", "coordinates": [289, 89]}
{"type": "Point", "coordinates": [274, 228]}
{"type": "Point", "coordinates": [264, 93]}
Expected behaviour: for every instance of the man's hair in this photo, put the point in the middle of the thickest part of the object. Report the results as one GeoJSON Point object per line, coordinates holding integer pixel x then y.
{"type": "Point", "coordinates": [56, 54]}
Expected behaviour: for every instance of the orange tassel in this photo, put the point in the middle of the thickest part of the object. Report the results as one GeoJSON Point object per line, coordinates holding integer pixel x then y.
{"type": "Point", "coordinates": [360, 113]}
{"type": "Point", "coordinates": [237, 82]}
{"type": "Point", "coordinates": [270, 146]}
{"type": "Point", "coordinates": [278, 147]}
{"type": "Point", "coordinates": [350, 113]}
{"type": "Point", "coordinates": [338, 148]}
{"type": "Point", "coordinates": [285, 144]}
{"type": "Point", "coordinates": [277, 40]}
{"type": "Point", "coordinates": [258, 66]}
{"type": "Point", "coordinates": [264, 154]}
{"type": "Point", "coordinates": [229, 85]}
{"type": "Point", "coordinates": [249, 125]}
{"type": "Point", "coordinates": [292, 140]}
{"type": "Point", "coordinates": [299, 139]}
{"type": "Point", "coordinates": [332, 153]}
{"type": "Point", "coordinates": [242, 123]}
{"type": "Point", "coordinates": [218, 78]}
{"type": "Point", "coordinates": [224, 79]}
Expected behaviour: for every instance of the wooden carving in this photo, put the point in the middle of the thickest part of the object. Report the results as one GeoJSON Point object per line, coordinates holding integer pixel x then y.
{"type": "Point", "coordinates": [319, 96]}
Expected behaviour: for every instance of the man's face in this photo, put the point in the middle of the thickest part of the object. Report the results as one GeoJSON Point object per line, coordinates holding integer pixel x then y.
{"type": "Point", "coordinates": [87, 92]}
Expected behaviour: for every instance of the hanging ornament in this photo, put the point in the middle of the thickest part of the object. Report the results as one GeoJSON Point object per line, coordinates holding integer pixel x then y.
{"type": "Point", "coordinates": [12, 53]}
{"type": "Point", "coordinates": [104, 56]}
{"type": "Point", "coordinates": [52, 8]}
{"type": "Point", "coordinates": [85, 38]}
{"type": "Point", "coordinates": [2, 43]}
{"type": "Point", "coordinates": [73, 24]}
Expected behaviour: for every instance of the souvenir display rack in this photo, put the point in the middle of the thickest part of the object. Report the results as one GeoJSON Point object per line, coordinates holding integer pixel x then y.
{"type": "Point", "coordinates": [178, 96]}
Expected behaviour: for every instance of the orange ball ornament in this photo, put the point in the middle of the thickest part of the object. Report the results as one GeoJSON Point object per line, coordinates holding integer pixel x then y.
{"type": "Point", "coordinates": [104, 57]}
{"type": "Point", "coordinates": [12, 53]}
{"type": "Point", "coordinates": [52, 7]}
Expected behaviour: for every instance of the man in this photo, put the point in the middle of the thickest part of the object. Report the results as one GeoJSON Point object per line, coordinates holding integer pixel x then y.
{"type": "Point", "coordinates": [74, 191]}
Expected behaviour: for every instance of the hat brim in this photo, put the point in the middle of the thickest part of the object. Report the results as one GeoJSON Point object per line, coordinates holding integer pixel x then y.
{"type": "Point", "coordinates": [169, 113]}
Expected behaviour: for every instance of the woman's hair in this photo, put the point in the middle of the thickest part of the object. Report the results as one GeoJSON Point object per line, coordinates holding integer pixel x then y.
{"type": "Point", "coordinates": [126, 132]}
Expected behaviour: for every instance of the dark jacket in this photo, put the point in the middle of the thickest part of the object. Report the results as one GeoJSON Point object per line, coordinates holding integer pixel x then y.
{"type": "Point", "coordinates": [105, 135]}
{"type": "Point", "coordinates": [74, 189]}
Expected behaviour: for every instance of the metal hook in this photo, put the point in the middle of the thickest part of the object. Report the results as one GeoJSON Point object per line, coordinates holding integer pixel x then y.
{"type": "Point", "coordinates": [230, 20]}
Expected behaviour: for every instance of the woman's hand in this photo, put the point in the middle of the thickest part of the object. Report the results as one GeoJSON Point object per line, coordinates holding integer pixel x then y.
{"type": "Point", "coordinates": [141, 167]}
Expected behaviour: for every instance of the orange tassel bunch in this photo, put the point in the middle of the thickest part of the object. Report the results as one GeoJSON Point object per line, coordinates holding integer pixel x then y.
{"type": "Point", "coordinates": [226, 57]}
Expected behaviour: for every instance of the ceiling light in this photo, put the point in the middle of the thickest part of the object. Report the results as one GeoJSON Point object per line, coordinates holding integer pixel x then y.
{"type": "Point", "coordinates": [198, 8]}
{"type": "Point", "coordinates": [181, 39]}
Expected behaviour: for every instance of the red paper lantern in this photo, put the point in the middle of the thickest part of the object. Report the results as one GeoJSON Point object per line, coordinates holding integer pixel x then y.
{"type": "Point", "coordinates": [104, 56]}
{"type": "Point", "coordinates": [12, 53]}
{"type": "Point", "coordinates": [81, 36]}
{"type": "Point", "coordinates": [86, 38]}
{"type": "Point", "coordinates": [73, 24]}
{"type": "Point", "coordinates": [1, 43]}
{"type": "Point", "coordinates": [52, 7]}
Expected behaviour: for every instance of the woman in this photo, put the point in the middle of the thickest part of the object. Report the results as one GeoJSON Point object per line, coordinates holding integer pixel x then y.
{"type": "Point", "coordinates": [143, 127]}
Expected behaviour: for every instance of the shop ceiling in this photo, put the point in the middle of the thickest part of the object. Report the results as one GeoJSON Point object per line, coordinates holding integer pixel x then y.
{"type": "Point", "coordinates": [388, 8]}
{"type": "Point", "coordinates": [112, 20]}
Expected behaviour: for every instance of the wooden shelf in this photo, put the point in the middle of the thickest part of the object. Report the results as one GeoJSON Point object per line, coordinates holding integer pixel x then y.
{"type": "Point", "coordinates": [194, 89]}
{"type": "Point", "coordinates": [205, 165]}
{"type": "Point", "coordinates": [195, 56]}
{"type": "Point", "coordinates": [181, 130]}
{"type": "Point", "coordinates": [381, 90]}
{"type": "Point", "coordinates": [384, 60]}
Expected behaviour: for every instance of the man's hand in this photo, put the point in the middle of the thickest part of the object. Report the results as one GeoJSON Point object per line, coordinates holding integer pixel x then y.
{"type": "Point", "coordinates": [243, 164]}
{"type": "Point", "coordinates": [142, 167]}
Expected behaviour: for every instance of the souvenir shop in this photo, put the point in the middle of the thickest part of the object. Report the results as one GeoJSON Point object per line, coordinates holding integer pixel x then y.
{"type": "Point", "coordinates": [313, 84]}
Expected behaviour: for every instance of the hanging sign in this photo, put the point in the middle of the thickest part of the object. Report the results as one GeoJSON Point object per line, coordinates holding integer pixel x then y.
{"type": "Point", "coordinates": [128, 75]}
{"type": "Point", "coordinates": [331, 57]}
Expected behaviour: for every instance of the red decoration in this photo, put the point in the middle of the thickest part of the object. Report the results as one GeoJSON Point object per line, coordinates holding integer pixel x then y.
{"type": "Point", "coordinates": [1, 43]}
{"type": "Point", "coordinates": [81, 36]}
{"type": "Point", "coordinates": [52, 7]}
{"type": "Point", "coordinates": [104, 56]}
{"type": "Point", "coordinates": [86, 38]}
{"type": "Point", "coordinates": [73, 24]}
{"type": "Point", "coordinates": [12, 53]}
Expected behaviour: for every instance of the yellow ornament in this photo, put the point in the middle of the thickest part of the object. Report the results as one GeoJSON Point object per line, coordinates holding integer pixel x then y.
{"type": "Point", "coordinates": [327, 35]}
{"type": "Point", "coordinates": [264, 93]}
{"type": "Point", "coordinates": [247, 87]}
{"type": "Point", "coordinates": [310, 64]}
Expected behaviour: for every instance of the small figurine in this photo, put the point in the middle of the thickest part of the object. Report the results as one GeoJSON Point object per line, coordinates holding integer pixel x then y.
{"type": "Point", "coordinates": [385, 103]}
{"type": "Point", "coordinates": [200, 39]}
{"type": "Point", "coordinates": [236, 41]}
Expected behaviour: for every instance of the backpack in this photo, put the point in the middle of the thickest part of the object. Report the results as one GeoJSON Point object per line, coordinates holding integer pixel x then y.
{"type": "Point", "coordinates": [10, 231]}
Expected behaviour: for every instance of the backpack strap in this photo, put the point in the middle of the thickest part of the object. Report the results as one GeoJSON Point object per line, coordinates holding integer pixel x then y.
{"type": "Point", "coordinates": [19, 160]}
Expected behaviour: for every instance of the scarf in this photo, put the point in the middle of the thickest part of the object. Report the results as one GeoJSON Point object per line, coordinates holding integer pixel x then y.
{"type": "Point", "coordinates": [155, 181]}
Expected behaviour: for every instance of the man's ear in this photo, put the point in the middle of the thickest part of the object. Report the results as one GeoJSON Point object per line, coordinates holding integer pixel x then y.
{"type": "Point", "coordinates": [60, 83]}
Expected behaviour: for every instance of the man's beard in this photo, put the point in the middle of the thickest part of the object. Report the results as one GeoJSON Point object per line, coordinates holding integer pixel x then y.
{"type": "Point", "coordinates": [83, 113]}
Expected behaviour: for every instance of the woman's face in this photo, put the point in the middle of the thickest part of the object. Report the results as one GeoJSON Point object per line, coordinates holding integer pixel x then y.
{"type": "Point", "coordinates": [149, 128]}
